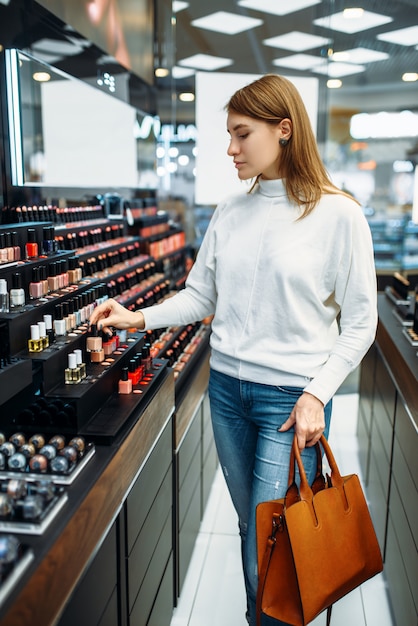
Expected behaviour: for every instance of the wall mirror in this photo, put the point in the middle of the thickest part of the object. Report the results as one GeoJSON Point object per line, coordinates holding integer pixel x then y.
{"type": "Point", "coordinates": [67, 133]}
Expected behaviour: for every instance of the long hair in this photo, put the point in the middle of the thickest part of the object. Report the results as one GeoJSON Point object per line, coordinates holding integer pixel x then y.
{"type": "Point", "coordinates": [271, 99]}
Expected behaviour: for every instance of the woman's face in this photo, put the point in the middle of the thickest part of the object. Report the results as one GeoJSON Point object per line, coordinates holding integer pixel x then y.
{"type": "Point", "coordinates": [254, 146]}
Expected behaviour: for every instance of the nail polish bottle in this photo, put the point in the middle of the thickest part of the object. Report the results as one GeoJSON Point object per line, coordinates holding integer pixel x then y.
{"type": "Point", "coordinates": [94, 345]}
{"type": "Point", "coordinates": [35, 286]}
{"type": "Point", "coordinates": [59, 321]}
{"type": "Point", "coordinates": [49, 328]}
{"type": "Point", "coordinates": [53, 281]}
{"type": "Point", "coordinates": [74, 270]}
{"type": "Point", "coordinates": [31, 246]}
{"type": "Point", "coordinates": [3, 250]}
{"type": "Point", "coordinates": [72, 372]}
{"type": "Point", "coordinates": [48, 240]}
{"type": "Point", "coordinates": [34, 343]}
{"type": "Point", "coordinates": [80, 363]}
{"type": "Point", "coordinates": [4, 296]}
{"type": "Point", "coordinates": [9, 247]}
{"type": "Point", "coordinates": [16, 247]}
{"type": "Point", "coordinates": [17, 294]}
{"type": "Point", "coordinates": [108, 344]}
{"type": "Point", "coordinates": [125, 383]}
{"type": "Point", "coordinates": [43, 336]}
{"type": "Point", "coordinates": [132, 373]}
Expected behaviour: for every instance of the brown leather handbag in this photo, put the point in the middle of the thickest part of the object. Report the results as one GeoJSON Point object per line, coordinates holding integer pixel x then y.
{"type": "Point", "coordinates": [315, 545]}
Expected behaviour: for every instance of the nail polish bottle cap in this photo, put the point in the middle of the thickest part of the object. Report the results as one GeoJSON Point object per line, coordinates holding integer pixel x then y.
{"type": "Point", "coordinates": [48, 322]}
{"type": "Point", "coordinates": [72, 361]}
{"type": "Point", "coordinates": [42, 329]}
{"type": "Point", "coordinates": [35, 274]}
{"type": "Point", "coordinates": [2, 242]}
{"type": "Point", "coordinates": [79, 356]}
{"type": "Point", "coordinates": [17, 281]}
{"type": "Point", "coordinates": [8, 237]}
{"type": "Point", "coordinates": [3, 286]}
{"type": "Point", "coordinates": [58, 312]}
{"type": "Point", "coordinates": [34, 332]}
{"type": "Point", "coordinates": [52, 270]}
{"type": "Point", "coordinates": [124, 375]}
{"type": "Point", "coordinates": [93, 331]}
{"type": "Point", "coordinates": [14, 238]}
{"type": "Point", "coordinates": [31, 235]}
{"type": "Point", "coordinates": [132, 366]}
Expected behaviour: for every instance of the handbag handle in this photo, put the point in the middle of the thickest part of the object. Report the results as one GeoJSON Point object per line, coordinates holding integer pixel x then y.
{"type": "Point", "coordinates": [305, 491]}
{"type": "Point", "coordinates": [292, 493]}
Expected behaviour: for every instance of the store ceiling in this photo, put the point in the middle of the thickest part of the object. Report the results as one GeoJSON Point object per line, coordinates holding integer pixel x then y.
{"type": "Point", "coordinates": [248, 52]}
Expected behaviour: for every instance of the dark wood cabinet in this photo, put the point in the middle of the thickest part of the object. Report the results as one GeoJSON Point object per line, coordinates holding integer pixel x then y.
{"type": "Point", "coordinates": [387, 430]}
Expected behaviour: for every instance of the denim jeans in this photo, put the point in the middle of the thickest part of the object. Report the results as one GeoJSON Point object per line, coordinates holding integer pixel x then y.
{"type": "Point", "coordinates": [254, 456]}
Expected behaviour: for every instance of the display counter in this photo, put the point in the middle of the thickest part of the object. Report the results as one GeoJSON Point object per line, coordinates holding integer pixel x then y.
{"type": "Point", "coordinates": [387, 429]}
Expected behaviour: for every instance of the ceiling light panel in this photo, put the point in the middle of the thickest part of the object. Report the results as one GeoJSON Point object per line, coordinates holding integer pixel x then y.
{"type": "Point", "coordinates": [181, 72]}
{"type": "Point", "coordinates": [403, 37]}
{"type": "Point", "coordinates": [178, 5]}
{"type": "Point", "coordinates": [336, 70]}
{"type": "Point", "coordinates": [296, 41]}
{"type": "Point", "coordinates": [205, 62]}
{"type": "Point", "coordinates": [359, 55]}
{"type": "Point", "coordinates": [277, 7]}
{"type": "Point", "coordinates": [227, 23]}
{"type": "Point", "coordinates": [338, 21]}
{"type": "Point", "coordinates": [299, 61]}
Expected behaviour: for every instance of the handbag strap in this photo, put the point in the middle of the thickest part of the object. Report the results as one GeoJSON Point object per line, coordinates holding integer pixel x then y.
{"type": "Point", "coordinates": [277, 523]}
{"type": "Point", "coordinates": [305, 491]}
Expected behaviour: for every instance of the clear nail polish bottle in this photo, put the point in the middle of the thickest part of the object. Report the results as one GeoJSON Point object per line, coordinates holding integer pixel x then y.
{"type": "Point", "coordinates": [35, 342]}
{"type": "Point", "coordinates": [17, 294]}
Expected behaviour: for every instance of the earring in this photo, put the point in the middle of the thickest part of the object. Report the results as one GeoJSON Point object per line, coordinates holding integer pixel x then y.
{"type": "Point", "coordinates": [283, 142]}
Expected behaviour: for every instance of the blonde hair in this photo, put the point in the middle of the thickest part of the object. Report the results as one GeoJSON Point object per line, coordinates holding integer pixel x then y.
{"type": "Point", "coordinates": [271, 99]}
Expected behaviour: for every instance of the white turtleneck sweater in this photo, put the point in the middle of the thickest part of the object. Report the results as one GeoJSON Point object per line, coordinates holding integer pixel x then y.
{"type": "Point", "coordinates": [276, 286]}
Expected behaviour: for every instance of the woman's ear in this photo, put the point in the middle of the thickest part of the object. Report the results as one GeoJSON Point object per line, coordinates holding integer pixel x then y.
{"type": "Point", "coordinates": [286, 128]}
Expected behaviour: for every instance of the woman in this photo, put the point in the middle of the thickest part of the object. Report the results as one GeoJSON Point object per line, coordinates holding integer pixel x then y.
{"type": "Point", "coordinates": [287, 270]}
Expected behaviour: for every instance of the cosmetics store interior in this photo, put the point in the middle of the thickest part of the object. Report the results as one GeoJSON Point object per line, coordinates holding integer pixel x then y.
{"type": "Point", "coordinates": [113, 509]}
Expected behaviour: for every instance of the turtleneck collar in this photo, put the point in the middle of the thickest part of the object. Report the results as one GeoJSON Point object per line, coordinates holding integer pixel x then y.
{"type": "Point", "coordinates": [272, 188]}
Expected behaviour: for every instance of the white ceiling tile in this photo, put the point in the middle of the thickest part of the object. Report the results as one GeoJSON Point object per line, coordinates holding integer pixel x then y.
{"type": "Point", "coordinates": [338, 21]}
{"type": "Point", "coordinates": [227, 23]}
{"type": "Point", "coordinates": [278, 7]}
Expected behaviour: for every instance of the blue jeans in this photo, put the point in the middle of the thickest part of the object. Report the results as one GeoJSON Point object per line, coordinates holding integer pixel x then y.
{"type": "Point", "coordinates": [254, 456]}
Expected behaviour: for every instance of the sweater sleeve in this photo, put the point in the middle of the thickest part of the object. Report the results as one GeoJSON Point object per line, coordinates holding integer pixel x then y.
{"type": "Point", "coordinates": [356, 294]}
{"type": "Point", "coordinates": [198, 299]}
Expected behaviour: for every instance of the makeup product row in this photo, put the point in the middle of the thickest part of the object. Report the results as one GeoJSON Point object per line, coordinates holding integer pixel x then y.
{"type": "Point", "coordinates": [83, 239]}
{"type": "Point", "coordinates": [70, 316]}
{"type": "Point", "coordinates": [45, 279]}
{"type": "Point", "coordinates": [41, 454]}
{"type": "Point", "coordinates": [166, 245]}
{"type": "Point", "coordinates": [177, 348]}
{"type": "Point", "coordinates": [10, 250]}
{"type": "Point", "coordinates": [137, 372]}
{"type": "Point", "coordinates": [58, 215]}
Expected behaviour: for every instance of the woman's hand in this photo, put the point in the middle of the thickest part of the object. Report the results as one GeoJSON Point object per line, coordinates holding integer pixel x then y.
{"type": "Point", "coordinates": [111, 313]}
{"type": "Point", "coordinates": [308, 418]}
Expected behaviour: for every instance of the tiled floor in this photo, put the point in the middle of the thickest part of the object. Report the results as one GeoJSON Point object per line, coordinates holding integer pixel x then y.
{"type": "Point", "coordinates": [213, 592]}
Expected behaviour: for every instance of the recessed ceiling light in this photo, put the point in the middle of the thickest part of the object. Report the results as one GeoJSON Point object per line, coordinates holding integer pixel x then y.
{"type": "Point", "coordinates": [359, 55]}
{"type": "Point", "coordinates": [334, 83]}
{"type": "Point", "coordinates": [178, 5]}
{"type": "Point", "coordinates": [335, 70]}
{"type": "Point", "coordinates": [278, 7]}
{"type": "Point", "coordinates": [205, 62]}
{"type": "Point", "coordinates": [227, 23]}
{"type": "Point", "coordinates": [337, 21]}
{"type": "Point", "coordinates": [403, 36]}
{"type": "Point", "coordinates": [181, 72]}
{"type": "Point", "coordinates": [410, 77]}
{"type": "Point", "coordinates": [161, 72]}
{"type": "Point", "coordinates": [299, 61]}
{"type": "Point", "coordinates": [296, 40]}
{"type": "Point", "coordinates": [41, 77]}
{"type": "Point", "coordinates": [186, 96]}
